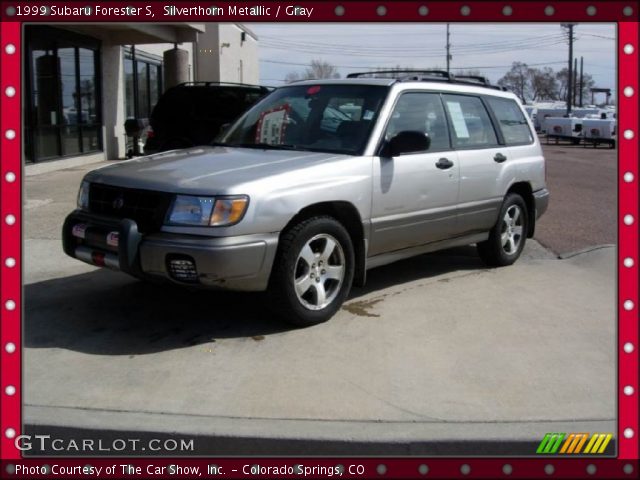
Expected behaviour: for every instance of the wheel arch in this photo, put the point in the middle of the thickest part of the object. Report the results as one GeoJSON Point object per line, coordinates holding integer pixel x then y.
{"type": "Point", "coordinates": [526, 192]}
{"type": "Point", "coordinates": [347, 214]}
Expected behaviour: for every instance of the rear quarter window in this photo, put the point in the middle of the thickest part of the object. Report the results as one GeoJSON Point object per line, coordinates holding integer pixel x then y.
{"type": "Point", "coordinates": [512, 121]}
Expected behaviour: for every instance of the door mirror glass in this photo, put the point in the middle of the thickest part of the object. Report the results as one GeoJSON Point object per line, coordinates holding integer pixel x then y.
{"type": "Point", "coordinates": [409, 141]}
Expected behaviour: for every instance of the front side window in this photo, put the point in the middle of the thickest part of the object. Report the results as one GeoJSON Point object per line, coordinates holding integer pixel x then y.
{"type": "Point", "coordinates": [513, 123]}
{"type": "Point", "coordinates": [471, 126]}
{"type": "Point", "coordinates": [331, 118]}
{"type": "Point", "coordinates": [420, 112]}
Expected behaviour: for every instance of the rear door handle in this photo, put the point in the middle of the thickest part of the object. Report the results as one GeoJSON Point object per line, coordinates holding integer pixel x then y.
{"type": "Point", "coordinates": [499, 158]}
{"type": "Point", "coordinates": [444, 163]}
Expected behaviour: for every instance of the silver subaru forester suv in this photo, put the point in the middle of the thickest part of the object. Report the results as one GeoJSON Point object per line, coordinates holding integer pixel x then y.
{"type": "Point", "coordinates": [319, 182]}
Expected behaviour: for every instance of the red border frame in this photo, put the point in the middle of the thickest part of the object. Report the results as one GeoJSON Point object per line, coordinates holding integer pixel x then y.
{"type": "Point", "coordinates": [438, 11]}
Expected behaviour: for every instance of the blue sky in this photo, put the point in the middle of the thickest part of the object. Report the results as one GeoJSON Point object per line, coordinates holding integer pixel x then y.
{"type": "Point", "coordinates": [490, 48]}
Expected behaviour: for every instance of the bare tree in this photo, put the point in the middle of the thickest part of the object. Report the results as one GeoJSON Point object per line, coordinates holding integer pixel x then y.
{"type": "Point", "coordinates": [531, 83]}
{"type": "Point", "coordinates": [397, 68]}
{"type": "Point", "coordinates": [292, 77]}
{"type": "Point", "coordinates": [517, 80]}
{"type": "Point", "coordinates": [318, 69]}
{"type": "Point", "coordinates": [587, 83]}
{"type": "Point", "coordinates": [469, 73]}
{"type": "Point", "coordinates": [543, 84]}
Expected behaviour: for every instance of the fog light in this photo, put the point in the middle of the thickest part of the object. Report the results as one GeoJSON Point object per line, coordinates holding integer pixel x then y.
{"type": "Point", "coordinates": [182, 268]}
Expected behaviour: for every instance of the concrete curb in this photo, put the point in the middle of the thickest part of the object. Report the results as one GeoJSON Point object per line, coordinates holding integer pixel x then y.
{"type": "Point", "coordinates": [564, 256]}
{"type": "Point", "coordinates": [262, 436]}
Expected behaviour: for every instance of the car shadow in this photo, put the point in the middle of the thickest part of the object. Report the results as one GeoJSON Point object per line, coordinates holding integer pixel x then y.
{"type": "Point", "coordinates": [108, 313]}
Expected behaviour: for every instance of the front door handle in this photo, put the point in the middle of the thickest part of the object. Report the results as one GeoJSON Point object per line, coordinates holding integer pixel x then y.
{"type": "Point", "coordinates": [444, 163]}
{"type": "Point", "coordinates": [499, 158]}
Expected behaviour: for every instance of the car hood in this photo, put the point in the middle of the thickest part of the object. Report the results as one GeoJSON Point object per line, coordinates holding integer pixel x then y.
{"type": "Point", "coordinates": [206, 170]}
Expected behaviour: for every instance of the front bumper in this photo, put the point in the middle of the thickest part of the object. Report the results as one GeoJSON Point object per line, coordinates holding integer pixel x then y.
{"type": "Point", "coordinates": [233, 263]}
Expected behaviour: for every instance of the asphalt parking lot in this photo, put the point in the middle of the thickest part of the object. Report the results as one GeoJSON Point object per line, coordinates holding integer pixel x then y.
{"type": "Point", "coordinates": [583, 209]}
{"type": "Point", "coordinates": [436, 355]}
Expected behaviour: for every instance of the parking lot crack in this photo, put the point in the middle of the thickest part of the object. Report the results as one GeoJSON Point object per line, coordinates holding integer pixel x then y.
{"type": "Point", "coordinates": [393, 405]}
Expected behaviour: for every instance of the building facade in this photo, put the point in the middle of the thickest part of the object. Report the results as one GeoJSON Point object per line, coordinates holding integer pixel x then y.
{"type": "Point", "coordinates": [81, 82]}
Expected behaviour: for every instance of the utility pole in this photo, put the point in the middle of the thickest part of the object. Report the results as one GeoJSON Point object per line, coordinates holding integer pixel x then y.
{"type": "Point", "coordinates": [575, 81]}
{"type": "Point", "coordinates": [581, 78]}
{"type": "Point", "coordinates": [448, 49]}
{"type": "Point", "coordinates": [569, 27]}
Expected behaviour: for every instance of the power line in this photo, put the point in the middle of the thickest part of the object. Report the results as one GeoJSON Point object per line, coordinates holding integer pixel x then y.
{"type": "Point", "coordinates": [594, 35]}
{"type": "Point", "coordinates": [320, 48]}
{"type": "Point", "coordinates": [341, 46]}
{"type": "Point", "coordinates": [506, 48]}
{"type": "Point", "coordinates": [280, 62]}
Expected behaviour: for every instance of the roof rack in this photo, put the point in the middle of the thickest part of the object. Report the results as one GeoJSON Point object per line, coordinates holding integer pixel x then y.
{"type": "Point", "coordinates": [373, 74]}
{"type": "Point", "coordinates": [429, 76]}
{"type": "Point", "coordinates": [209, 83]}
{"type": "Point", "coordinates": [475, 78]}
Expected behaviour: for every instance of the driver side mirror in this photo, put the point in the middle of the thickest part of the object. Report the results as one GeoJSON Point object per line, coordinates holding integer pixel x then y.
{"type": "Point", "coordinates": [409, 141]}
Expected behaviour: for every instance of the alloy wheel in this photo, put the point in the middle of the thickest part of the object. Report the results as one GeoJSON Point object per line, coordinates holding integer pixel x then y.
{"type": "Point", "coordinates": [512, 229]}
{"type": "Point", "coordinates": [319, 271]}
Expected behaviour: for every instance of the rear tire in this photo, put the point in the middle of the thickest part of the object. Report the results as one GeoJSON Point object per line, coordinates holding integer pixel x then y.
{"type": "Point", "coordinates": [508, 236]}
{"type": "Point", "coordinates": [313, 271]}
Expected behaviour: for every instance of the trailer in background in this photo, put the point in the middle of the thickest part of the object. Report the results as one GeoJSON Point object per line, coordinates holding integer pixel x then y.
{"type": "Point", "coordinates": [599, 131]}
{"type": "Point", "coordinates": [544, 113]}
{"type": "Point", "coordinates": [582, 112]}
{"type": "Point", "coordinates": [563, 128]}
{"type": "Point", "coordinates": [531, 111]}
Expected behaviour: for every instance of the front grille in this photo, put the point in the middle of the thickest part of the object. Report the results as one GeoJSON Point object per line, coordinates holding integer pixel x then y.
{"type": "Point", "coordinates": [147, 208]}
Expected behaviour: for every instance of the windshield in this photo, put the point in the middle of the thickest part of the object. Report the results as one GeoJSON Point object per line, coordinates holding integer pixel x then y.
{"type": "Point", "coordinates": [322, 118]}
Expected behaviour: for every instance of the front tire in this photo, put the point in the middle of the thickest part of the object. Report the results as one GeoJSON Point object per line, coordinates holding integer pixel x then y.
{"type": "Point", "coordinates": [507, 237]}
{"type": "Point", "coordinates": [313, 271]}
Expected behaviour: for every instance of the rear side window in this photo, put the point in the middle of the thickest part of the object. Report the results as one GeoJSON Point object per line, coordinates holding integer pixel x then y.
{"type": "Point", "coordinates": [471, 126]}
{"type": "Point", "coordinates": [513, 123]}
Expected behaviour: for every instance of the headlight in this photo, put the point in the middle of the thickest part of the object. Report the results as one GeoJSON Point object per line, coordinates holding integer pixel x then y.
{"type": "Point", "coordinates": [83, 196]}
{"type": "Point", "coordinates": [207, 211]}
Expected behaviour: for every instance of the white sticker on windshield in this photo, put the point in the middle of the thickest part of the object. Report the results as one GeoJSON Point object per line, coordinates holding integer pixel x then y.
{"type": "Point", "coordinates": [457, 117]}
{"type": "Point", "coordinates": [272, 125]}
{"type": "Point", "coordinates": [368, 115]}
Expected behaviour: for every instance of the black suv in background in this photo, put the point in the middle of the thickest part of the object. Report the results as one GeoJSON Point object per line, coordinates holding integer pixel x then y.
{"type": "Point", "coordinates": [192, 113]}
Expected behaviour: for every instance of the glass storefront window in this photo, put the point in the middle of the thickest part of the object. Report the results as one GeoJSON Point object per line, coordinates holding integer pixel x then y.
{"type": "Point", "coordinates": [154, 85]}
{"type": "Point", "coordinates": [128, 88]}
{"type": "Point", "coordinates": [87, 88]}
{"type": "Point", "coordinates": [67, 60]}
{"type": "Point", "coordinates": [90, 138]}
{"type": "Point", "coordinates": [70, 140]}
{"type": "Point", "coordinates": [143, 89]}
{"type": "Point", "coordinates": [47, 142]}
{"type": "Point", "coordinates": [143, 84]}
{"type": "Point", "coordinates": [63, 94]}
